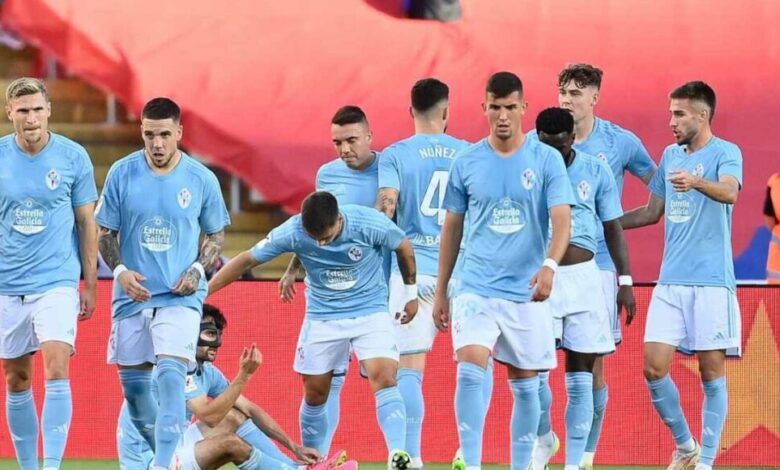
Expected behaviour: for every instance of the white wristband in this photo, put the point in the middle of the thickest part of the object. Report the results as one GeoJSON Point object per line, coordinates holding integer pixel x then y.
{"type": "Point", "coordinates": [550, 263]}
{"type": "Point", "coordinates": [410, 292]}
{"type": "Point", "coordinates": [625, 281]}
{"type": "Point", "coordinates": [200, 269]}
{"type": "Point", "coordinates": [119, 270]}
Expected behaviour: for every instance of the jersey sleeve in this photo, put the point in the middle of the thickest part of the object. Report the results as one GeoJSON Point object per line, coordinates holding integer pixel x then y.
{"type": "Point", "coordinates": [389, 172]}
{"type": "Point", "coordinates": [607, 196]}
{"type": "Point", "coordinates": [84, 190]}
{"type": "Point", "coordinates": [384, 232]}
{"type": "Point", "coordinates": [192, 389]}
{"type": "Point", "coordinates": [218, 383]}
{"type": "Point", "coordinates": [456, 196]}
{"type": "Point", "coordinates": [214, 216]}
{"type": "Point", "coordinates": [640, 163]}
{"type": "Point", "coordinates": [108, 213]}
{"type": "Point", "coordinates": [279, 241]}
{"type": "Point", "coordinates": [730, 164]}
{"type": "Point", "coordinates": [657, 184]}
{"type": "Point", "coordinates": [321, 182]}
{"type": "Point", "coordinates": [557, 183]}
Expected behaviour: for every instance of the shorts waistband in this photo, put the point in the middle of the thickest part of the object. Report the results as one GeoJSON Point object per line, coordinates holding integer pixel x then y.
{"type": "Point", "coordinates": [586, 266]}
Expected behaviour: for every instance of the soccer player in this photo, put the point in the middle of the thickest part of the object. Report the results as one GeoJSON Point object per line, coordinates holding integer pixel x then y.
{"type": "Point", "coordinates": [579, 87]}
{"type": "Point", "coordinates": [341, 249]}
{"type": "Point", "coordinates": [154, 205]}
{"type": "Point", "coordinates": [694, 307]}
{"type": "Point", "coordinates": [228, 426]}
{"type": "Point", "coordinates": [583, 326]}
{"type": "Point", "coordinates": [510, 187]}
{"type": "Point", "coordinates": [352, 178]}
{"type": "Point", "coordinates": [413, 176]}
{"type": "Point", "coordinates": [48, 239]}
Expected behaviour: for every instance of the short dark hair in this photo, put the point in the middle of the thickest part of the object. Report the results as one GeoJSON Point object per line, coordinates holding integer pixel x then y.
{"type": "Point", "coordinates": [349, 114]}
{"type": "Point", "coordinates": [215, 313]}
{"type": "Point", "coordinates": [553, 121]}
{"type": "Point", "coordinates": [427, 93]}
{"type": "Point", "coordinates": [696, 91]}
{"type": "Point", "coordinates": [503, 84]}
{"type": "Point", "coordinates": [583, 75]}
{"type": "Point", "coordinates": [161, 108]}
{"type": "Point", "coordinates": [319, 211]}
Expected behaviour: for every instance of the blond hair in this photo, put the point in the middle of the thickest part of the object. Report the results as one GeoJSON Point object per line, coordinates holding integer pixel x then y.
{"type": "Point", "coordinates": [25, 86]}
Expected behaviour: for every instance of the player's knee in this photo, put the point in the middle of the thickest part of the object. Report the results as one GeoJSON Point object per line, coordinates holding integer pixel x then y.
{"type": "Point", "coordinates": [383, 379]}
{"type": "Point", "coordinates": [234, 419]}
{"type": "Point", "coordinates": [235, 447]}
{"type": "Point", "coordinates": [655, 371]}
{"type": "Point", "coordinates": [56, 359]}
{"type": "Point", "coordinates": [18, 380]}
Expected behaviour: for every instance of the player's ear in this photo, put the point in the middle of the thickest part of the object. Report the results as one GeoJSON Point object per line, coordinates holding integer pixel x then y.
{"type": "Point", "coordinates": [445, 113]}
{"type": "Point", "coordinates": [411, 112]}
{"type": "Point", "coordinates": [595, 98]}
{"type": "Point", "coordinates": [8, 112]}
{"type": "Point", "coordinates": [179, 132]}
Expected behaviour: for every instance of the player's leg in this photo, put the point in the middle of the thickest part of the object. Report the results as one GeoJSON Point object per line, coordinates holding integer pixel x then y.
{"type": "Point", "coordinates": [174, 331]}
{"type": "Point", "coordinates": [17, 342]}
{"type": "Point", "coordinates": [715, 407]}
{"type": "Point", "coordinates": [55, 318]}
{"type": "Point", "coordinates": [579, 406]}
{"type": "Point", "coordinates": [314, 412]}
{"type": "Point", "coordinates": [248, 431]}
{"type": "Point", "coordinates": [133, 451]}
{"type": "Point", "coordinates": [130, 348]}
{"type": "Point", "coordinates": [474, 333]}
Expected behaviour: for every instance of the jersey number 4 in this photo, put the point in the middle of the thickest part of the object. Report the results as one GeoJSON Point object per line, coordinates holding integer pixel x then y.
{"type": "Point", "coordinates": [435, 192]}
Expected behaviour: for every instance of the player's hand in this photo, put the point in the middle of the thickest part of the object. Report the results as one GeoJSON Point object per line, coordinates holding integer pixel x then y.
{"type": "Point", "coordinates": [88, 296]}
{"type": "Point", "coordinates": [441, 312]}
{"type": "Point", "coordinates": [410, 310]}
{"type": "Point", "coordinates": [306, 455]}
{"type": "Point", "coordinates": [187, 283]}
{"type": "Point", "coordinates": [682, 180]}
{"type": "Point", "coordinates": [625, 299]}
{"type": "Point", "coordinates": [542, 282]}
{"type": "Point", "coordinates": [287, 287]}
{"type": "Point", "coordinates": [250, 360]}
{"type": "Point", "coordinates": [131, 283]}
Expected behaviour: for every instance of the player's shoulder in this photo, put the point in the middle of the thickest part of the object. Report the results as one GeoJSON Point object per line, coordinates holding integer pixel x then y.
{"type": "Point", "coordinates": [331, 167]}
{"type": "Point", "coordinates": [475, 150]}
{"type": "Point", "coordinates": [196, 168]}
{"type": "Point", "coordinates": [615, 132]}
{"type": "Point", "coordinates": [127, 162]}
{"type": "Point", "coordinates": [68, 146]}
{"type": "Point", "coordinates": [289, 227]}
{"type": "Point", "coordinates": [6, 143]}
{"type": "Point", "coordinates": [725, 147]}
{"type": "Point", "coordinates": [592, 161]}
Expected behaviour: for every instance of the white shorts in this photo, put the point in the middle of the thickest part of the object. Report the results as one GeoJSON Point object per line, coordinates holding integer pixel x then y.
{"type": "Point", "coordinates": [418, 335]}
{"type": "Point", "coordinates": [695, 318]}
{"type": "Point", "coordinates": [610, 288]}
{"type": "Point", "coordinates": [185, 452]}
{"type": "Point", "coordinates": [577, 304]}
{"type": "Point", "coordinates": [29, 320]}
{"type": "Point", "coordinates": [521, 332]}
{"type": "Point", "coordinates": [168, 331]}
{"type": "Point", "coordinates": [323, 344]}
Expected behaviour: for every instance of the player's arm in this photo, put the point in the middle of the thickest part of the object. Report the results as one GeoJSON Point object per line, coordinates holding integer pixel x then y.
{"type": "Point", "coordinates": [449, 246]}
{"type": "Point", "coordinates": [648, 214]}
{"type": "Point", "coordinates": [408, 268]}
{"type": "Point", "coordinates": [560, 216]}
{"type": "Point", "coordinates": [88, 247]}
{"type": "Point", "coordinates": [209, 252]}
{"type": "Point", "coordinates": [618, 250]}
{"type": "Point", "coordinates": [387, 201]}
{"type": "Point", "coordinates": [232, 271]}
{"type": "Point", "coordinates": [647, 177]}
{"type": "Point", "coordinates": [287, 282]}
{"type": "Point", "coordinates": [108, 244]}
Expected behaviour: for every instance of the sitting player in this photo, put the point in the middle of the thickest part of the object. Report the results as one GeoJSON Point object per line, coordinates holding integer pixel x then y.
{"type": "Point", "coordinates": [229, 427]}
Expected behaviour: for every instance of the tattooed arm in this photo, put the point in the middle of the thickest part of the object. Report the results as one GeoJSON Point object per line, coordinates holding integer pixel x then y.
{"type": "Point", "coordinates": [108, 244]}
{"type": "Point", "coordinates": [387, 201]}
{"type": "Point", "coordinates": [209, 252]}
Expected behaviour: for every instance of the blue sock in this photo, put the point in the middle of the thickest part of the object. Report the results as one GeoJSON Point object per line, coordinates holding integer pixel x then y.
{"type": "Point", "coordinates": [55, 421]}
{"type": "Point", "coordinates": [666, 400]}
{"type": "Point", "coordinates": [260, 461]}
{"type": "Point", "coordinates": [334, 410]}
{"type": "Point", "coordinates": [249, 432]}
{"type": "Point", "coordinates": [579, 414]}
{"type": "Point", "coordinates": [600, 398]}
{"type": "Point", "coordinates": [391, 415]}
{"type": "Point", "coordinates": [714, 410]}
{"type": "Point", "coordinates": [141, 405]}
{"type": "Point", "coordinates": [410, 386]}
{"type": "Point", "coordinates": [487, 385]}
{"type": "Point", "coordinates": [470, 411]}
{"type": "Point", "coordinates": [525, 420]}
{"type": "Point", "coordinates": [314, 425]}
{"type": "Point", "coordinates": [545, 404]}
{"type": "Point", "coordinates": [171, 375]}
{"type": "Point", "coordinates": [23, 427]}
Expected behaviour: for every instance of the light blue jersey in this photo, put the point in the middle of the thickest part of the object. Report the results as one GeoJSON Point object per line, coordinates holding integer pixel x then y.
{"type": "Point", "coordinates": [348, 185]}
{"type": "Point", "coordinates": [39, 247]}
{"type": "Point", "coordinates": [697, 232]}
{"type": "Point", "coordinates": [344, 279]}
{"type": "Point", "coordinates": [597, 200]}
{"type": "Point", "coordinates": [160, 219]}
{"type": "Point", "coordinates": [206, 380]}
{"type": "Point", "coordinates": [418, 168]}
{"type": "Point", "coordinates": [507, 201]}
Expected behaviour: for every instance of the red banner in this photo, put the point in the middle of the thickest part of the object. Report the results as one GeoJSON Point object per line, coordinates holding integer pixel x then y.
{"type": "Point", "coordinates": [633, 434]}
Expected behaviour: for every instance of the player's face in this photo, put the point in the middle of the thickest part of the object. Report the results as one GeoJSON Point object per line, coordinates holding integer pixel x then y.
{"type": "Point", "coordinates": [207, 353]}
{"type": "Point", "coordinates": [161, 140]}
{"type": "Point", "coordinates": [562, 142]}
{"type": "Point", "coordinates": [578, 101]}
{"type": "Point", "coordinates": [353, 144]}
{"type": "Point", "coordinates": [30, 117]}
{"type": "Point", "coordinates": [330, 234]}
{"type": "Point", "coordinates": [504, 114]}
{"type": "Point", "coordinates": [687, 119]}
